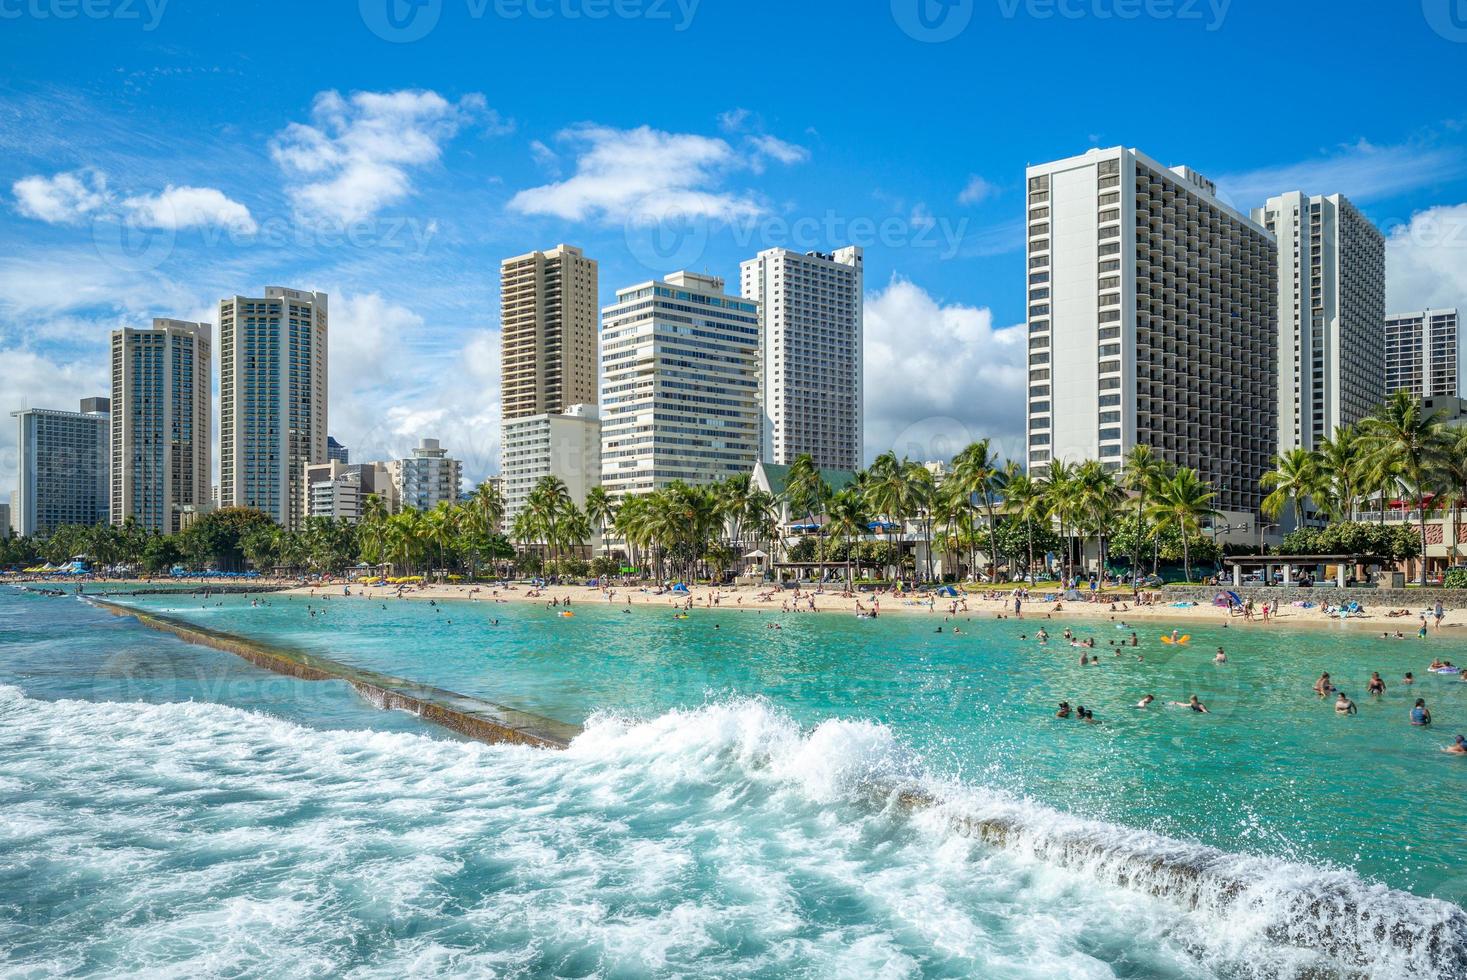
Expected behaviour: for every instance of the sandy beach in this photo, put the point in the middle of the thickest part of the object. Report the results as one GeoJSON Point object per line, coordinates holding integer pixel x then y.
{"type": "Point", "coordinates": [1117, 606]}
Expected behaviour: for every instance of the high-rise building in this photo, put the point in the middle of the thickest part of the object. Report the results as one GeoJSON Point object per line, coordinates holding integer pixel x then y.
{"type": "Point", "coordinates": [1421, 353]}
{"type": "Point", "coordinates": [680, 367]}
{"type": "Point", "coordinates": [1153, 310]}
{"type": "Point", "coordinates": [272, 399]}
{"type": "Point", "coordinates": [426, 477]}
{"type": "Point", "coordinates": [4, 521]}
{"type": "Point", "coordinates": [1331, 302]}
{"type": "Point", "coordinates": [336, 452]}
{"type": "Point", "coordinates": [566, 446]}
{"type": "Point", "coordinates": [547, 304]}
{"type": "Point", "coordinates": [64, 461]}
{"type": "Point", "coordinates": [810, 384]}
{"type": "Point", "coordinates": [161, 408]}
{"type": "Point", "coordinates": [340, 490]}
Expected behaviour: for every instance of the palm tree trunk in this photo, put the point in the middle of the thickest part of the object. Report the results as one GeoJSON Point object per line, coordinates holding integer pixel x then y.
{"type": "Point", "coordinates": [1421, 518]}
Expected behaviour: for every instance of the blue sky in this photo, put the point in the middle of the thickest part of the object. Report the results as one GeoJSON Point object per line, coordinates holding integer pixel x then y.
{"type": "Point", "coordinates": [158, 156]}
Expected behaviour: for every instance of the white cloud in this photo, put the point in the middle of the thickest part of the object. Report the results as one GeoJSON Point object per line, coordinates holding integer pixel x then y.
{"type": "Point", "coordinates": [63, 199]}
{"type": "Point", "coordinates": [32, 380]}
{"type": "Point", "coordinates": [390, 387]}
{"type": "Point", "coordinates": [938, 376]}
{"type": "Point", "coordinates": [356, 156]}
{"type": "Point", "coordinates": [1426, 260]}
{"type": "Point", "coordinates": [734, 120]}
{"type": "Point", "coordinates": [1360, 171]}
{"type": "Point", "coordinates": [189, 207]}
{"type": "Point", "coordinates": [645, 173]}
{"type": "Point", "coordinates": [779, 150]}
{"type": "Point", "coordinates": [67, 198]}
{"type": "Point", "coordinates": [976, 191]}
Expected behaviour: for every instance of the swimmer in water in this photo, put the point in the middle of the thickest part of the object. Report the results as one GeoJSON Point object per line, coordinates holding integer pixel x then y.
{"type": "Point", "coordinates": [1192, 703]}
{"type": "Point", "coordinates": [1376, 687]}
{"type": "Point", "coordinates": [1064, 710]}
{"type": "Point", "coordinates": [1146, 701]}
{"type": "Point", "coordinates": [1323, 685]}
{"type": "Point", "coordinates": [1221, 657]}
{"type": "Point", "coordinates": [1420, 714]}
{"type": "Point", "coordinates": [1458, 746]}
{"type": "Point", "coordinates": [1344, 706]}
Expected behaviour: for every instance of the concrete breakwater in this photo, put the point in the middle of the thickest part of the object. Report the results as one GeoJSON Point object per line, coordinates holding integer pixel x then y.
{"type": "Point", "coordinates": [1374, 600]}
{"type": "Point", "coordinates": [481, 720]}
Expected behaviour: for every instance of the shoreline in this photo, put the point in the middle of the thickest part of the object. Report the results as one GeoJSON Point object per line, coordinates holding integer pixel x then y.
{"type": "Point", "coordinates": [782, 602]}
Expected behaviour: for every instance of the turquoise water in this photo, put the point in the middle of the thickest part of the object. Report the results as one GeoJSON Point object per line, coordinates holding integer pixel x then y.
{"type": "Point", "coordinates": [716, 818]}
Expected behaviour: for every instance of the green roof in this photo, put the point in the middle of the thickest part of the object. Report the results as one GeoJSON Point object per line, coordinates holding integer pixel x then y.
{"type": "Point", "coordinates": [778, 476]}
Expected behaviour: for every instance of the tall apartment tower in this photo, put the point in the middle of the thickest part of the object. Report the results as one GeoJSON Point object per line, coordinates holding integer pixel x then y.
{"type": "Point", "coordinates": [1421, 353]}
{"type": "Point", "coordinates": [547, 304]}
{"type": "Point", "coordinates": [810, 359]}
{"type": "Point", "coordinates": [1152, 315]}
{"type": "Point", "coordinates": [161, 408]}
{"type": "Point", "coordinates": [63, 465]}
{"type": "Point", "coordinates": [1331, 344]}
{"type": "Point", "coordinates": [680, 362]}
{"type": "Point", "coordinates": [272, 399]}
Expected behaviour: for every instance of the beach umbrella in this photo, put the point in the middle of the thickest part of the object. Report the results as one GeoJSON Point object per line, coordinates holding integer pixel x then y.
{"type": "Point", "coordinates": [756, 553]}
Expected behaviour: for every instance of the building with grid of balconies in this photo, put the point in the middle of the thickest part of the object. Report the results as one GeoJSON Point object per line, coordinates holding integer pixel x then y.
{"type": "Point", "coordinates": [1421, 353]}
{"type": "Point", "coordinates": [810, 383]}
{"type": "Point", "coordinates": [680, 359]}
{"type": "Point", "coordinates": [426, 478]}
{"type": "Point", "coordinates": [547, 353]}
{"type": "Point", "coordinates": [161, 417]}
{"type": "Point", "coordinates": [272, 399]}
{"type": "Point", "coordinates": [64, 459]}
{"type": "Point", "coordinates": [1152, 318]}
{"type": "Point", "coordinates": [1331, 285]}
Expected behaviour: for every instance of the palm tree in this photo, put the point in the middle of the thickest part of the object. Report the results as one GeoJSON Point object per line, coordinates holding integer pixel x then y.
{"type": "Point", "coordinates": [1451, 476]}
{"type": "Point", "coordinates": [1342, 477]}
{"type": "Point", "coordinates": [1140, 474]}
{"type": "Point", "coordinates": [487, 503]}
{"type": "Point", "coordinates": [976, 472]}
{"type": "Point", "coordinates": [1182, 502]}
{"type": "Point", "coordinates": [547, 502]}
{"type": "Point", "coordinates": [1023, 499]}
{"type": "Point", "coordinates": [600, 511]}
{"type": "Point", "coordinates": [1061, 496]}
{"type": "Point", "coordinates": [846, 519]}
{"type": "Point", "coordinates": [1295, 476]}
{"type": "Point", "coordinates": [1401, 431]}
{"type": "Point", "coordinates": [1098, 498]}
{"type": "Point", "coordinates": [441, 525]}
{"type": "Point", "coordinates": [406, 532]}
{"type": "Point", "coordinates": [805, 490]}
{"type": "Point", "coordinates": [887, 492]}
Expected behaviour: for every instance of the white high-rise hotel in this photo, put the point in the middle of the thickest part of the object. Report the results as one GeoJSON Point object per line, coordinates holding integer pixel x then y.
{"type": "Point", "coordinates": [161, 399]}
{"type": "Point", "coordinates": [1331, 286]}
{"type": "Point", "coordinates": [680, 383]}
{"type": "Point", "coordinates": [272, 399]}
{"type": "Point", "coordinates": [811, 354]}
{"type": "Point", "coordinates": [1421, 353]}
{"type": "Point", "coordinates": [1153, 313]}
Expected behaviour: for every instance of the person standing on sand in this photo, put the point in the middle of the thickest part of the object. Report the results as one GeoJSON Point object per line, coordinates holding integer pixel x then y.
{"type": "Point", "coordinates": [1018, 607]}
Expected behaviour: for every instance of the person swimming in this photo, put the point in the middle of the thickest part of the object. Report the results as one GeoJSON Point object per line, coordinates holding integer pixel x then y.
{"type": "Point", "coordinates": [1344, 706]}
{"type": "Point", "coordinates": [1420, 714]}
{"type": "Point", "coordinates": [1221, 657]}
{"type": "Point", "coordinates": [1192, 703]}
{"type": "Point", "coordinates": [1323, 685]}
{"type": "Point", "coordinates": [1064, 710]}
{"type": "Point", "coordinates": [1146, 701]}
{"type": "Point", "coordinates": [1376, 687]}
{"type": "Point", "coordinates": [1458, 746]}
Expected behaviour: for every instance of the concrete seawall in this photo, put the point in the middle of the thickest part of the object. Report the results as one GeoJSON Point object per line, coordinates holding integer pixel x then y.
{"type": "Point", "coordinates": [476, 719]}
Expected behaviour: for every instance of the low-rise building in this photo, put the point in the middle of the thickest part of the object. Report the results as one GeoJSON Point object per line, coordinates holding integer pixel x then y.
{"type": "Point", "coordinates": [566, 446]}
{"type": "Point", "coordinates": [427, 477]}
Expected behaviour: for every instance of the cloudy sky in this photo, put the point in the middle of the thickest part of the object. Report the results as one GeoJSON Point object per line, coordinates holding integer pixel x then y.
{"type": "Point", "coordinates": [161, 154]}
